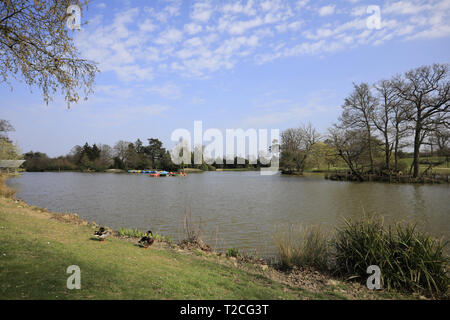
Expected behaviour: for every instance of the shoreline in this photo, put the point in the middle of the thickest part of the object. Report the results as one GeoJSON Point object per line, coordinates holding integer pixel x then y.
{"type": "Point", "coordinates": [319, 285]}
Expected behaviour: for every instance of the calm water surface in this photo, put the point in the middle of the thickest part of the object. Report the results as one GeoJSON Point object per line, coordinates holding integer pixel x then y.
{"type": "Point", "coordinates": [234, 209]}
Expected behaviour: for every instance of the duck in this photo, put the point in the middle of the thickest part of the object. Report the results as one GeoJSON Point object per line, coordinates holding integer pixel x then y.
{"type": "Point", "coordinates": [147, 240]}
{"type": "Point", "coordinates": [101, 234]}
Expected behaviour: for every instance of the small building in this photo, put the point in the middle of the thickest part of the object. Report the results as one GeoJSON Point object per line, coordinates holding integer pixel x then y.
{"type": "Point", "coordinates": [9, 166]}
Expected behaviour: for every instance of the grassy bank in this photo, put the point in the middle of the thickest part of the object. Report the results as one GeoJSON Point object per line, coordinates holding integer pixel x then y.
{"type": "Point", "coordinates": [36, 249]}
{"type": "Point", "coordinates": [37, 246]}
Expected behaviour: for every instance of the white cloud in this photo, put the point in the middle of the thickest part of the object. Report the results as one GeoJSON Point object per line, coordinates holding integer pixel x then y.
{"type": "Point", "coordinates": [169, 36]}
{"type": "Point", "coordinates": [326, 10]}
{"type": "Point", "coordinates": [192, 28]}
{"type": "Point", "coordinates": [202, 11]}
{"type": "Point", "coordinates": [139, 44]}
{"type": "Point", "coordinates": [168, 90]}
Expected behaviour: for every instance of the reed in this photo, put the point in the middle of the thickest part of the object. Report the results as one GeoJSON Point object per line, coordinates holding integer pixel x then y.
{"type": "Point", "coordinates": [409, 260]}
{"type": "Point", "coordinates": [303, 247]}
{"type": "Point", "coordinates": [192, 230]}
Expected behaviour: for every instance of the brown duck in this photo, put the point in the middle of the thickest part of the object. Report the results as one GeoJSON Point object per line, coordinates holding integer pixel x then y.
{"type": "Point", "coordinates": [147, 240]}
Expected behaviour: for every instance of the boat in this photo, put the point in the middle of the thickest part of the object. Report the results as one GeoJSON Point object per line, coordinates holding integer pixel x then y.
{"type": "Point", "coordinates": [163, 174]}
{"type": "Point", "coordinates": [154, 175]}
{"type": "Point", "coordinates": [177, 174]}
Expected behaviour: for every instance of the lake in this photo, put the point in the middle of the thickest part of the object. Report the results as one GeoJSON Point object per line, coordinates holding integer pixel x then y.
{"type": "Point", "coordinates": [234, 209]}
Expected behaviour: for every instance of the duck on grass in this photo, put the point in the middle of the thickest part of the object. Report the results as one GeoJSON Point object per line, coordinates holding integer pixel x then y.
{"type": "Point", "coordinates": [101, 234]}
{"type": "Point", "coordinates": [147, 240]}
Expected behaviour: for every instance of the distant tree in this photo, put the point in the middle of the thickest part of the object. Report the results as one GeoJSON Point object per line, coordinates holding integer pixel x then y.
{"type": "Point", "coordinates": [8, 150]}
{"type": "Point", "coordinates": [36, 45]}
{"type": "Point", "coordinates": [106, 155]}
{"type": "Point", "coordinates": [5, 127]}
{"type": "Point", "coordinates": [36, 161]}
{"type": "Point", "coordinates": [321, 154]}
{"type": "Point", "coordinates": [120, 150]}
{"type": "Point", "coordinates": [139, 147]}
{"type": "Point", "coordinates": [131, 157]}
{"type": "Point", "coordinates": [296, 145]}
{"type": "Point", "coordinates": [155, 151]}
{"type": "Point", "coordinates": [118, 163]}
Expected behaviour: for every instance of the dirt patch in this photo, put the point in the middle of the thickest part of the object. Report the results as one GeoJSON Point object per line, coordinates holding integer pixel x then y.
{"type": "Point", "coordinates": [71, 218]}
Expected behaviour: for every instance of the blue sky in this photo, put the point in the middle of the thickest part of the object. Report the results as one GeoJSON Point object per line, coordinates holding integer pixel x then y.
{"type": "Point", "coordinates": [231, 64]}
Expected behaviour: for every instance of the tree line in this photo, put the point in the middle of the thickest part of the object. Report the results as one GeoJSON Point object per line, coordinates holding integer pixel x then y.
{"type": "Point", "coordinates": [377, 124]}
{"type": "Point", "coordinates": [123, 155]}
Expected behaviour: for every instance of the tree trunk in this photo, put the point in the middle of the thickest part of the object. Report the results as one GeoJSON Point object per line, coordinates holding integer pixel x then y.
{"type": "Point", "coordinates": [370, 150]}
{"type": "Point", "coordinates": [387, 150]}
{"type": "Point", "coordinates": [416, 151]}
{"type": "Point", "coordinates": [396, 154]}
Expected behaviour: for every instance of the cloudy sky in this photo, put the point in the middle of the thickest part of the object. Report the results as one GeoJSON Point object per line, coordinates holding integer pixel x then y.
{"type": "Point", "coordinates": [232, 64]}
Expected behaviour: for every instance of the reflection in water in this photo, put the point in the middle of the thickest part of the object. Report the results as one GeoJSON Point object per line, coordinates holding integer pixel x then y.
{"type": "Point", "coordinates": [236, 209]}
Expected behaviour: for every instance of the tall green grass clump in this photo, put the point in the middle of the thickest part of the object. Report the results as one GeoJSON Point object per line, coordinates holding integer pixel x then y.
{"type": "Point", "coordinates": [131, 233]}
{"type": "Point", "coordinates": [303, 247]}
{"type": "Point", "coordinates": [409, 260]}
{"type": "Point", "coordinates": [136, 233]}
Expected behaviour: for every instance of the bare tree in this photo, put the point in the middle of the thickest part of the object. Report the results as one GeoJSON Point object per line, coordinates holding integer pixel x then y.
{"type": "Point", "coordinates": [5, 127]}
{"type": "Point", "coordinates": [120, 149]}
{"type": "Point", "coordinates": [351, 146]}
{"type": "Point", "coordinates": [35, 44]}
{"type": "Point", "coordinates": [390, 118]}
{"type": "Point", "coordinates": [358, 113]}
{"type": "Point", "coordinates": [427, 92]}
{"type": "Point", "coordinates": [106, 154]}
{"type": "Point", "coordinates": [296, 144]}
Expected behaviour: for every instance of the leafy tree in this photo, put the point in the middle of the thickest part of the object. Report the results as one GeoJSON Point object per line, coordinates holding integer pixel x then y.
{"type": "Point", "coordinates": [36, 45]}
{"type": "Point", "coordinates": [36, 161]}
{"type": "Point", "coordinates": [155, 151]}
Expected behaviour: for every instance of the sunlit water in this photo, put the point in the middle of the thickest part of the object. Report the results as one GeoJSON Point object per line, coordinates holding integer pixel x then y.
{"type": "Point", "coordinates": [234, 209]}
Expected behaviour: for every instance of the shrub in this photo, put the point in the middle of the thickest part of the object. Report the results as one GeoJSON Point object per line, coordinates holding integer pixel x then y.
{"type": "Point", "coordinates": [303, 247]}
{"type": "Point", "coordinates": [232, 252]}
{"type": "Point", "coordinates": [409, 260]}
{"type": "Point", "coordinates": [4, 190]}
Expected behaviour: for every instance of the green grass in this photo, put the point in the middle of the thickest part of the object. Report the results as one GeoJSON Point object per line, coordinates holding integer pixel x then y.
{"type": "Point", "coordinates": [443, 168]}
{"type": "Point", "coordinates": [36, 250]}
{"type": "Point", "coordinates": [136, 233]}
